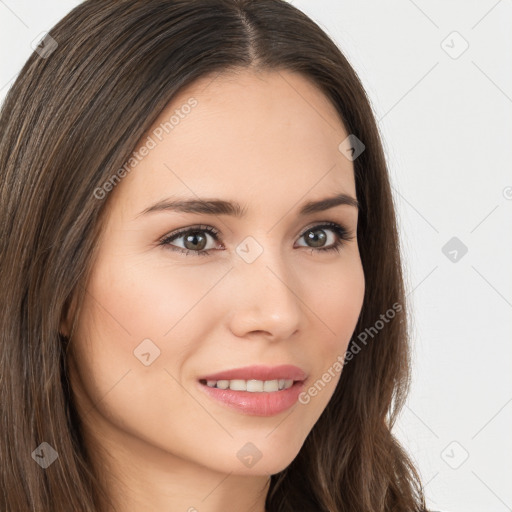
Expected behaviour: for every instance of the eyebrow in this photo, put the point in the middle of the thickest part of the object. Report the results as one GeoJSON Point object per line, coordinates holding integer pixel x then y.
{"type": "Point", "coordinates": [214, 206]}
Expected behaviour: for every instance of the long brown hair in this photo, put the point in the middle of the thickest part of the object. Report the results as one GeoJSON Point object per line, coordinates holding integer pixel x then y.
{"type": "Point", "coordinates": [71, 119]}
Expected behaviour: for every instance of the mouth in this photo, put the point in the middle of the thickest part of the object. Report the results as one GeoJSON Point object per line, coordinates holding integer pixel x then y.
{"type": "Point", "coordinates": [255, 390]}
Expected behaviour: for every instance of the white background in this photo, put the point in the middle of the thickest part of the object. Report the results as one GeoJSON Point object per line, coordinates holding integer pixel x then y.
{"type": "Point", "coordinates": [446, 126]}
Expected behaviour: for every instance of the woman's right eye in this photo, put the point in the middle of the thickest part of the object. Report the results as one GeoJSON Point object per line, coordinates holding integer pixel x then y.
{"type": "Point", "coordinates": [191, 236]}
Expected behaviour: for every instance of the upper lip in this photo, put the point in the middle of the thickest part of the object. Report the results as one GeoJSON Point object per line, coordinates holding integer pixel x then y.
{"type": "Point", "coordinates": [260, 372]}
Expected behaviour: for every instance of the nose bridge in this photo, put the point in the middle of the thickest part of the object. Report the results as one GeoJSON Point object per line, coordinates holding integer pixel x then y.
{"type": "Point", "coordinates": [266, 289]}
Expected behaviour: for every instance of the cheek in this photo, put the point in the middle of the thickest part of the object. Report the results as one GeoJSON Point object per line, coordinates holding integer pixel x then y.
{"type": "Point", "coordinates": [133, 309]}
{"type": "Point", "coordinates": [123, 307]}
{"type": "Point", "coordinates": [147, 300]}
{"type": "Point", "coordinates": [336, 298]}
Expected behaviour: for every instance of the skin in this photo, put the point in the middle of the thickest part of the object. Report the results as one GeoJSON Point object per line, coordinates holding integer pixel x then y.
{"type": "Point", "coordinates": [268, 140]}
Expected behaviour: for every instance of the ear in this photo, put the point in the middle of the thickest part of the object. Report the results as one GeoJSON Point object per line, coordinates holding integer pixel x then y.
{"type": "Point", "coordinates": [68, 312]}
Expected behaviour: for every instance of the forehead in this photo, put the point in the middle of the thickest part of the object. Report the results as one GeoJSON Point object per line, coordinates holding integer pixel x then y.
{"type": "Point", "coordinates": [248, 135]}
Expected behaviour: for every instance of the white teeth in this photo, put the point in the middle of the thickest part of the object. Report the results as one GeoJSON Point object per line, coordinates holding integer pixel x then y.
{"type": "Point", "coordinates": [238, 385]}
{"type": "Point", "coordinates": [256, 385]}
{"type": "Point", "coordinates": [253, 386]}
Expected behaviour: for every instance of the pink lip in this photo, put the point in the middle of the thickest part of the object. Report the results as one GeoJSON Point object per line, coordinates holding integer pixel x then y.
{"type": "Point", "coordinates": [259, 403]}
{"type": "Point", "coordinates": [260, 372]}
{"type": "Point", "coordinates": [256, 404]}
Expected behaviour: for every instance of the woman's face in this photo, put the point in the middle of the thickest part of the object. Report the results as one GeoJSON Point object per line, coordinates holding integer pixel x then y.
{"type": "Point", "coordinates": [259, 291]}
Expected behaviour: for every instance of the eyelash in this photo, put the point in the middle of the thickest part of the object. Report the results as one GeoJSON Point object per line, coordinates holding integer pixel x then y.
{"type": "Point", "coordinates": [342, 234]}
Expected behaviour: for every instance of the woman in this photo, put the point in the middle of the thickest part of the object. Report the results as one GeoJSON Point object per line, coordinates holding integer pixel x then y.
{"type": "Point", "coordinates": [202, 298]}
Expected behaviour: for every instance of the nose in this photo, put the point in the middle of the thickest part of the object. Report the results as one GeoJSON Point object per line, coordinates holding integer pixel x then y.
{"type": "Point", "coordinates": [266, 297]}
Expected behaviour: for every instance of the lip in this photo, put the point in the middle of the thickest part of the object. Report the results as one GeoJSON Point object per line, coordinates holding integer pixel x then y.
{"type": "Point", "coordinates": [260, 372]}
{"type": "Point", "coordinates": [257, 403]}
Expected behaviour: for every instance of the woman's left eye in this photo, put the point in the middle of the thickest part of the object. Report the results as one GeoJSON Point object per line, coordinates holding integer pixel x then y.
{"type": "Point", "coordinates": [195, 240]}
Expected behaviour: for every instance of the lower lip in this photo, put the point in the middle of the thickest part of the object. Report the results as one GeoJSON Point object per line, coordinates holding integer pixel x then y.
{"type": "Point", "coordinates": [257, 403]}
